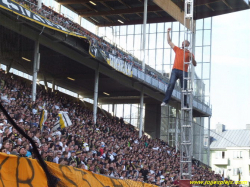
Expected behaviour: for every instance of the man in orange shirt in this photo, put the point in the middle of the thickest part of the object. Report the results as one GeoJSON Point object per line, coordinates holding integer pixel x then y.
{"type": "Point", "coordinates": [177, 71]}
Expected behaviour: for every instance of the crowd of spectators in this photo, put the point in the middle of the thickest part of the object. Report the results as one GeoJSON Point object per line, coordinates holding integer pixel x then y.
{"type": "Point", "coordinates": [109, 147]}
{"type": "Point", "coordinates": [67, 23]}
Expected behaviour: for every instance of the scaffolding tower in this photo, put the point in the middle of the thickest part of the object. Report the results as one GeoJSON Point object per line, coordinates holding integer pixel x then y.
{"type": "Point", "coordinates": [186, 142]}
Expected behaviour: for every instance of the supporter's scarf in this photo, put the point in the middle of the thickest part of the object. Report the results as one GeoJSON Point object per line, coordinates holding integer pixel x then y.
{"type": "Point", "coordinates": [43, 118]}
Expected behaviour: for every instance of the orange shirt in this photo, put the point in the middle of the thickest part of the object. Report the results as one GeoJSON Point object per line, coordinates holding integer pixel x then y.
{"type": "Point", "coordinates": [178, 61]}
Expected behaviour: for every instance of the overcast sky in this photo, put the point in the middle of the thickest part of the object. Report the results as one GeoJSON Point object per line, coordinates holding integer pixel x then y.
{"type": "Point", "coordinates": [230, 85]}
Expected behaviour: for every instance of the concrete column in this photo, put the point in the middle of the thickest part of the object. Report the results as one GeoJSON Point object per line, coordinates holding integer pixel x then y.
{"type": "Point", "coordinates": [113, 109]}
{"type": "Point", "coordinates": [164, 124]}
{"type": "Point", "coordinates": [144, 33]}
{"type": "Point", "coordinates": [39, 4]}
{"type": "Point", "coordinates": [9, 66]}
{"type": "Point", "coordinates": [79, 20]}
{"type": "Point", "coordinates": [97, 30]}
{"type": "Point", "coordinates": [59, 8]}
{"type": "Point", "coordinates": [96, 95]}
{"type": "Point", "coordinates": [45, 83]}
{"type": "Point", "coordinates": [152, 124]}
{"type": "Point", "coordinates": [53, 85]}
{"type": "Point", "coordinates": [35, 69]}
{"type": "Point", "coordinates": [141, 114]}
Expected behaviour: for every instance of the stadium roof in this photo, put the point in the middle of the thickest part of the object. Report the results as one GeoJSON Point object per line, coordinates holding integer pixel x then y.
{"type": "Point", "coordinates": [130, 12]}
{"type": "Point", "coordinates": [230, 138]}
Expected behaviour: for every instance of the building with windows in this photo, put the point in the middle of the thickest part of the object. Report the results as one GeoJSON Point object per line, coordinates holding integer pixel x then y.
{"type": "Point", "coordinates": [230, 152]}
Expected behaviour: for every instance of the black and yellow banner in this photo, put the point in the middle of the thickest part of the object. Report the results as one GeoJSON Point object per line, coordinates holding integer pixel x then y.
{"type": "Point", "coordinates": [112, 60]}
{"type": "Point", "coordinates": [30, 15]}
{"type": "Point", "coordinates": [24, 172]}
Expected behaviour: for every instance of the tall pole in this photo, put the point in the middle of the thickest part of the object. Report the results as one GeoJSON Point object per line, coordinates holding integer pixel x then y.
{"type": "Point", "coordinates": [53, 85]}
{"type": "Point", "coordinates": [35, 69]}
{"type": "Point", "coordinates": [176, 129]}
{"type": "Point", "coordinates": [141, 113]}
{"type": "Point", "coordinates": [144, 33]}
{"type": "Point", "coordinates": [96, 94]}
{"type": "Point", "coordinates": [208, 142]}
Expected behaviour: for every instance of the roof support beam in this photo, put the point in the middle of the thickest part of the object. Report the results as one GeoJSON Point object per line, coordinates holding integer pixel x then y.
{"type": "Point", "coordinates": [224, 1]}
{"type": "Point", "coordinates": [79, 1]}
{"type": "Point", "coordinates": [208, 6]}
{"type": "Point", "coordinates": [204, 2]}
{"type": "Point", "coordinates": [84, 4]}
{"type": "Point", "coordinates": [140, 21]}
{"type": "Point", "coordinates": [172, 9]}
{"type": "Point", "coordinates": [123, 11]}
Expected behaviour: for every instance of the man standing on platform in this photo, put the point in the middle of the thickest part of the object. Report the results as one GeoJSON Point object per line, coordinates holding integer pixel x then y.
{"type": "Point", "coordinates": [177, 71]}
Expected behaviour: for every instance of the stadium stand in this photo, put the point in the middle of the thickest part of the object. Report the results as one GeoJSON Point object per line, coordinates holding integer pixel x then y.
{"type": "Point", "coordinates": [59, 19]}
{"type": "Point", "coordinates": [110, 147]}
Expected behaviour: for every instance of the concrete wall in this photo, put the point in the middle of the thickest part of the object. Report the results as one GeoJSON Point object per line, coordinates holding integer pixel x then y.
{"type": "Point", "coordinates": [152, 123]}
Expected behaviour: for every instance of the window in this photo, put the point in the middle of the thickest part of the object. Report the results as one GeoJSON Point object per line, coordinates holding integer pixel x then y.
{"type": "Point", "coordinates": [237, 154]}
{"type": "Point", "coordinates": [220, 155]}
{"type": "Point", "coordinates": [236, 171]}
{"type": "Point", "coordinates": [205, 141]}
{"type": "Point", "coordinates": [219, 171]}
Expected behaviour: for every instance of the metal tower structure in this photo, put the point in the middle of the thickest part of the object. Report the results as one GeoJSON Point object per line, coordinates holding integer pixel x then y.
{"type": "Point", "coordinates": [187, 97]}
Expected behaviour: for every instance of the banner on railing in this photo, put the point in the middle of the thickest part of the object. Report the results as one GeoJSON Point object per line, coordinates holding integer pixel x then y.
{"type": "Point", "coordinates": [20, 171]}
{"type": "Point", "coordinates": [20, 10]}
{"type": "Point", "coordinates": [118, 63]}
{"type": "Point", "coordinates": [95, 53]}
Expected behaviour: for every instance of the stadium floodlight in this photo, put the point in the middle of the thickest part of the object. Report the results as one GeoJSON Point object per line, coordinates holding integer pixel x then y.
{"type": "Point", "coordinates": [70, 78]}
{"type": "Point", "coordinates": [26, 59]}
{"type": "Point", "coordinates": [120, 21]}
{"type": "Point", "coordinates": [106, 93]}
{"type": "Point", "coordinates": [92, 3]}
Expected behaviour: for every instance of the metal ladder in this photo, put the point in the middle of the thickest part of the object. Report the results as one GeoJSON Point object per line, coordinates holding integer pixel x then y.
{"type": "Point", "coordinates": [186, 143]}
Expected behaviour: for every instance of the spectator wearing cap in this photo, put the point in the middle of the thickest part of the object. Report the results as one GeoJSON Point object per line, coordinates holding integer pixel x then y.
{"type": "Point", "coordinates": [50, 155]}
{"type": "Point", "coordinates": [22, 151]}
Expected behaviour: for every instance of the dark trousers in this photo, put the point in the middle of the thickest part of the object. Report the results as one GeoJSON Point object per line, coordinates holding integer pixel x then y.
{"type": "Point", "coordinates": [175, 75]}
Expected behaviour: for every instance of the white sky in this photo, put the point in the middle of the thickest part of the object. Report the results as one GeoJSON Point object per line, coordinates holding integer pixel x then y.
{"type": "Point", "coordinates": [230, 78]}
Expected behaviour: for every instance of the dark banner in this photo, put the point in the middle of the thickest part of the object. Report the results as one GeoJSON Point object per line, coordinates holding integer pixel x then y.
{"type": "Point", "coordinates": [95, 53]}
{"type": "Point", "coordinates": [28, 14]}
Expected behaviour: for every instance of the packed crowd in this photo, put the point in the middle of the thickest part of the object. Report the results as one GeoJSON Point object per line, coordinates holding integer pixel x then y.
{"type": "Point", "coordinates": [109, 147]}
{"type": "Point", "coordinates": [67, 23]}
